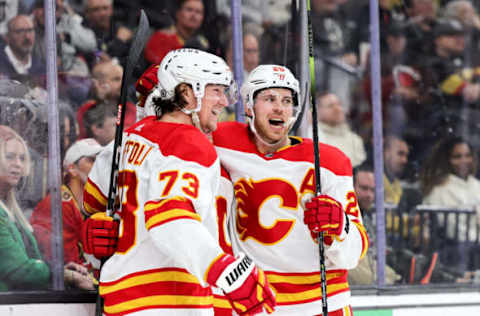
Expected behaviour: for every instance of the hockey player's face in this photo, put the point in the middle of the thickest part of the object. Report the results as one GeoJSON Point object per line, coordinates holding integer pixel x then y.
{"type": "Point", "coordinates": [273, 110]}
{"type": "Point", "coordinates": [213, 102]}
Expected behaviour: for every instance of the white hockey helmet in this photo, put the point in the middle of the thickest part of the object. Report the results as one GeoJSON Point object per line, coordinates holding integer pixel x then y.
{"type": "Point", "coordinates": [269, 76]}
{"type": "Point", "coordinates": [197, 68]}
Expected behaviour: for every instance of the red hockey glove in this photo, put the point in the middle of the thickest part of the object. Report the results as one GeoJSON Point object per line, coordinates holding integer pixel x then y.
{"type": "Point", "coordinates": [100, 235]}
{"type": "Point", "coordinates": [244, 285]}
{"type": "Point", "coordinates": [325, 214]}
{"type": "Point", "coordinates": [146, 83]}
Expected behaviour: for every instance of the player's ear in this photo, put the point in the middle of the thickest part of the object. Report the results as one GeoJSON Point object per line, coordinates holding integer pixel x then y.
{"type": "Point", "coordinates": [188, 96]}
{"type": "Point", "coordinates": [248, 110]}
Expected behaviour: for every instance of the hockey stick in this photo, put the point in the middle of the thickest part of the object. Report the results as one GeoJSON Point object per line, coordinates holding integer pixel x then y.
{"type": "Point", "coordinates": [318, 185]}
{"type": "Point", "coordinates": [139, 40]}
{"type": "Point", "coordinates": [136, 48]}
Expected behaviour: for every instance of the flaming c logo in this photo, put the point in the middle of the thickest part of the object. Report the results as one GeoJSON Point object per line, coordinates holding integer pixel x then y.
{"type": "Point", "coordinates": [251, 196]}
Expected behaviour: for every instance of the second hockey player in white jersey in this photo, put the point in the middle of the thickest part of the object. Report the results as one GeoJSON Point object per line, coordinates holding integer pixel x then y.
{"type": "Point", "coordinates": [271, 172]}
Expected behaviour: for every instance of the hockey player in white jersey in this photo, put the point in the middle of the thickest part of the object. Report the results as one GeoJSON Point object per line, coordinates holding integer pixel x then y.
{"type": "Point", "coordinates": [271, 172]}
{"type": "Point", "coordinates": [168, 255]}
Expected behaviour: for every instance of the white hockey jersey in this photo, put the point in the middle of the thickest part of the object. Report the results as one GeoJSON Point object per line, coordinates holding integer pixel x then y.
{"type": "Point", "coordinates": [168, 179]}
{"type": "Point", "coordinates": [267, 223]}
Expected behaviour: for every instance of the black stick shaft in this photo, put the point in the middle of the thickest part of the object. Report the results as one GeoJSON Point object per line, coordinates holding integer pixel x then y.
{"type": "Point", "coordinates": [318, 184]}
{"type": "Point", "coordinates": [134, 52]}
{"type": "Point", "coordinates": [136, 49]}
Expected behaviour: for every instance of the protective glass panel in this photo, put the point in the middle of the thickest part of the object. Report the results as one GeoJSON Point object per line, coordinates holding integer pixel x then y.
{"type": "Point", "coordinates": [23, 143]}
{"type": "Point", "coordinates": [28, 260]}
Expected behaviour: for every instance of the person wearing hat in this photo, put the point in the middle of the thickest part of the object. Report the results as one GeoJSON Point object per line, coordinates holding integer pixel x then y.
{"type": "Point", "coordinates": [452, 81]}
{"type": "Point", "coordinates": [446, 70]}
{"type": "Point", "coordinates": [77, 163]}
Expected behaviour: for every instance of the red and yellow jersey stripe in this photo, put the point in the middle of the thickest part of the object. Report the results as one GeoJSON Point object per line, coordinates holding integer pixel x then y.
{"type": "Point", "coordinates": [166, 210]}
{"type": "Point", "coordinates": [221, 305]}
{"type": "Point", "coordinates": [94, 200]}
{"type": "Point", "coordinates": [298, 288]}
{"type": "Point", "coordinates": [165, 288]}
{"type": "Point", "coordinates": [363, 236]}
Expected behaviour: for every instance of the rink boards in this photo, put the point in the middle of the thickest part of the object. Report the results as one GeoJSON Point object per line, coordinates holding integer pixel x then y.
{"type": "Point", "coordinates": [448, 304]}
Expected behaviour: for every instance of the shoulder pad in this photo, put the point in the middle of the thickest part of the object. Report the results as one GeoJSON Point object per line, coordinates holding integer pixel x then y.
{"type": "Point", "coordinates": [180, 140]}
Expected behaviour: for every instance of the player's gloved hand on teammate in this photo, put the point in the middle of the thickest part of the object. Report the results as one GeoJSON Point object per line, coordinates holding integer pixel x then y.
{"type": "Point", "coordinates": [100, 235]}
{"type": "Point", "coordinates": [244, 285]}
{"type": "Point", "coordinates": [146, 83]}
{"type": "Point", "coordinates": [325, 214]}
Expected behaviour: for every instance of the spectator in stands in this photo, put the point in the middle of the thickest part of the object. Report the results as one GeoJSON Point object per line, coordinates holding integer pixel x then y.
{"type": "Point", "coordinates": [448, 179]}
{"type": "Point", "coordinates": [452, 84]}
{"type": "Point", "coordinates": [77, 164]}
{"type": "Point", "coordinates": [334, 130]}
{"type": "Point", "coordinates": [443, 70]}
{"type": "Point", "coordinates": [260, 12]}
{"type": "Point", "coordinates": [156, 11]}
{"type": "Point", "coordinates": [390, 13]}
{"type": "Point", "coordinates": [273, 17]}
{"type": "Point", "coordinates": [100, 122]}
{"type": "Point", "coordinates": [22, 267]}
{"type": "Point", "coordinates": [189, 17]}
{"type": "Point", "coordinates": [251, 57]}
{"type": "Point", "coordinates": [399, 192]}
{"type": "Point", "coordinates": [251, 51]}
{"type": "Point", "coordinates": [334, 50]}
{"type": "Point", "coordinates": [72, 38]}
{"type": "Point", "coordinates": [106, 88]}
{"type": "Point", "coordinates": [395, 158]}
{"type": "Point", "coordinates": [25, 111]}
{"type": "Point", "coordinates": [8, 9]}
{"type": "Point", "coordinates": [422, 15]}
{"type": "Point", "coordinates": [365, 272]}
{"type": "Point", "coordinates": [113, 39]}
{"type": "Point", "coordinates": [400, 85]}
{"type": "Point", "coordinates": [107, 81]}
{"type": "Point", "coordinates": [17, 58]}
{"type": "Point", "coordinates": [467, 14]}
{"type": "Point", "coordinates": [364, 186]}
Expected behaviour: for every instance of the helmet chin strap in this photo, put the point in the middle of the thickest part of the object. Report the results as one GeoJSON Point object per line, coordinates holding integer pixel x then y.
{"type": "Point", "coordinates": [196, 121]}
{"type": "Point", "coordinates": [194, 115]}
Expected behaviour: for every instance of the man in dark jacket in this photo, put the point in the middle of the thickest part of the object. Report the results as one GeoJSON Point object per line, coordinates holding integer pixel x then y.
{"type": "Point", "coordinates": [17, 57]}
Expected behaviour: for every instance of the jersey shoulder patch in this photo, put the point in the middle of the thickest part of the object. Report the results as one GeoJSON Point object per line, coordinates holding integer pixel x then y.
{"type": "Point", "coordinates": [180, 140]}
{"type": "Point", "coordinates": [66, 194]}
